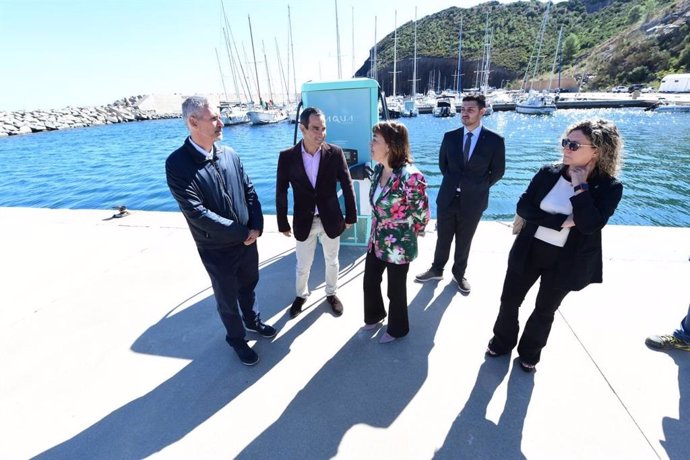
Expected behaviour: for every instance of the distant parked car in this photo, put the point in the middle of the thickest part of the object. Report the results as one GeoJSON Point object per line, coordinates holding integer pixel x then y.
{"type": "Point", "coordinates": [635, 87]}
{"type": "Point", "coordinates": [619, 89]}
{"type": "Point", "coordinates": [648, 89]}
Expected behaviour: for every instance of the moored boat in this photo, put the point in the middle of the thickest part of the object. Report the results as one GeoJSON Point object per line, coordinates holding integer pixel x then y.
{"type": "Point", "coordinates": [536, 104]}
{"type": "Point", "coordinates": [266, 116]}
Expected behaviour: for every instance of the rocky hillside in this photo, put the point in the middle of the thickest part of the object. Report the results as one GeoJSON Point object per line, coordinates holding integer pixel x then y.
{"type": "Point", "coordinates": [613, 41]}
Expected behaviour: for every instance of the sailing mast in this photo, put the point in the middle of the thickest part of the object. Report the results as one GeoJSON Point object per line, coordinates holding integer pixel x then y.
{"type": "Point", "coordinates": [353, 41]}
{"type": "Point", "coordinates": [555, 60]}
{"type": "Point", "coordinates": [375, 72]}
{"type": "Point", "coordinates": [414, 58]}
{"type": "Point", "coordinates": [395, 52]}
{"type": "Point", "coordinates": [248, 92]}
{"type": "Point", "coordinates": [256, 70]}
{"type": "Point", "coordinates": [540, 41]}
{"type": "Point", "coordinates": [281, 70]}
{"type": "Point", "coordinates": [337, 34]}
{"type": "Point", "coordinates": [292, 48]}
{"type": "Point", "coordinates": [268, 74]}
{"type": "Point", "coordinates": [220, 69]}
{"type": "Point", "coordinates": [458, 84]}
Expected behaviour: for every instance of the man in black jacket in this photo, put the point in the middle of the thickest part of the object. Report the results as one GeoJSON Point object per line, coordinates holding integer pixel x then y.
{"type": "Point", "coordinates": [224, 215]}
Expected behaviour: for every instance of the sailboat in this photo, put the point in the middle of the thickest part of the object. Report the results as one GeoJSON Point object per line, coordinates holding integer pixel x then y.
{"type": "Point", "coordinates": [537, 103]}
{"type": "Point", "coordinates": [266, 114]}
{"type": "Point", "coordinates": [409, 108]}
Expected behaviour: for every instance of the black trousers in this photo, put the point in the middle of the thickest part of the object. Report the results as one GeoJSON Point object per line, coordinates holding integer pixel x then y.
{"type": "Point", "coordinates": [374, 311]}
{"type": "Point", "coordinates": [541, 263]}
{"type": "Point", "coordinates": [234, 274]}
{"type": "Point", "coordinates": [451, 224]}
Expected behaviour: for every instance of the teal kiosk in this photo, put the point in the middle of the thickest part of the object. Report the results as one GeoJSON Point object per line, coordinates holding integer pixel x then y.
{"type": "Point", "coordinates": [351, 109]}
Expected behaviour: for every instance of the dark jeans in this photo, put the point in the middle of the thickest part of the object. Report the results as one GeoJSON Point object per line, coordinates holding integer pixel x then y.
{"type": "Point", "coordinates": [374, 311]}
{"type": "Point", "coordinates": [451, 224]}
{"type": "Point", "coordinates": [234, 273]}
{"type": "Point", "coordinates": [542, 263]}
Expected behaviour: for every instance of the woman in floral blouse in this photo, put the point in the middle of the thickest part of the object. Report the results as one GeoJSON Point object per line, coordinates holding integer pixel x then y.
{"type": "Point", "coordinates": [400, 212]}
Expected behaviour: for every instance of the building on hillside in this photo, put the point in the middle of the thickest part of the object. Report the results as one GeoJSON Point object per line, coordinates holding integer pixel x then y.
{"type": "Point", "coordinates": [675, 83]}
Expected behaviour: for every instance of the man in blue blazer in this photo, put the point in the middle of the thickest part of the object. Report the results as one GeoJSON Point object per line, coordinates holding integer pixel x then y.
{"type": "Point", "coordinates": [471, 160]}
{"type": "Point", "coordinates": [314, 168]}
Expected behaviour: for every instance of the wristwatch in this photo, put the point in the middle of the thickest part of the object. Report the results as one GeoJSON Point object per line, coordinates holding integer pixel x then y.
{"type": "Point", "coordinates": [583, 186]}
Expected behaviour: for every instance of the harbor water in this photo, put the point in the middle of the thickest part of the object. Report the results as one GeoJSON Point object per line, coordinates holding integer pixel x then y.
{"type": "Point", "coordinates": [123, 164]}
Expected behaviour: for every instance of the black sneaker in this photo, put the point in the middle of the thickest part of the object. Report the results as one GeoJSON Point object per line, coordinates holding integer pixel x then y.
{"type": "Point", "coordinates": [246, 354]}
{"type": "Point", "coordinates": [429, 275]}
{"type": "Point", "coordinates": [264, 330]}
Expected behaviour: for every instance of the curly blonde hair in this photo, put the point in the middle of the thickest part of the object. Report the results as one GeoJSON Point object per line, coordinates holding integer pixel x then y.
{"type": "Point", "coordinates": [604, 136]}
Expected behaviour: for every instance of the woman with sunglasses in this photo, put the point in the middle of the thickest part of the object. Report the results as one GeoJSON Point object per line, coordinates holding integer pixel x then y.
{"type": "Point", "coordinates": [565, 207]}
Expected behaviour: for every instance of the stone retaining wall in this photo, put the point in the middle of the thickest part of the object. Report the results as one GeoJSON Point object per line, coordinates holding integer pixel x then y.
{"type": "Point", "coordinates": [123, 110]}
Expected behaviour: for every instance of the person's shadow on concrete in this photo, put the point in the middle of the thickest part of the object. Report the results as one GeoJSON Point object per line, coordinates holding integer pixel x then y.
{"type": "Point", "coordinates": [212, 379]}
{"type": "Point", "coordinates": [677, 431]}
{"type": "Point", "coordinates": [472, 435]}
{"type": "Point", "coordinates": [365, 382]}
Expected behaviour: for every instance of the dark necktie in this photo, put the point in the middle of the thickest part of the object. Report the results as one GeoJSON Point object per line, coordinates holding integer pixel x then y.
{"type": "Point", "coordinates": [466, 149]}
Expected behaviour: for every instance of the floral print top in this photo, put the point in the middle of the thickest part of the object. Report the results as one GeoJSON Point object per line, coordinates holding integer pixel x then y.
{"type": "Point", "coordinates": [399, 215]}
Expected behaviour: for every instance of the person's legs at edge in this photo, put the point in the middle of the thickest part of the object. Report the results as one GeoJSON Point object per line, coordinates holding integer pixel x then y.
{"type": "Point", "coordinates": [684, 332]}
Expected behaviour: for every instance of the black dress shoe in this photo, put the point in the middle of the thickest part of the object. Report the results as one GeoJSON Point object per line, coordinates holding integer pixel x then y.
{"type": "Point", "coordinates": [296, 307]}
{"type": "Point", "coordinates": [336, 304]}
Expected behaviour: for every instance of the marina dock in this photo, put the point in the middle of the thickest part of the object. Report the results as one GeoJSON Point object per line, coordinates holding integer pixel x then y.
{"type": "Point", "coordinates": [111, 348]}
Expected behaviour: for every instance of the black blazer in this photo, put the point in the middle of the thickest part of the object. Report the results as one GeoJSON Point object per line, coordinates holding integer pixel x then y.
{"type": "Point", "coordinates": [332, 170]}
{"type": "Point", "coordinates": [486, 166]}
{"type": "Point", "coordinates": [580, 259]}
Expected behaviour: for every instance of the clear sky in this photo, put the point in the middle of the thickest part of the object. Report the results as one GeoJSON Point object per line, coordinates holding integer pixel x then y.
{"type": "Point", "coordinates": [91, 52]}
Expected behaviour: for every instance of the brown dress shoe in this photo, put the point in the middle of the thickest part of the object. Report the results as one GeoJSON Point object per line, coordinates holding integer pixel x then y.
{"type": "Point", "coordinates": [336, 304]}
{"type": "Point", "coordinates": [296, 307]}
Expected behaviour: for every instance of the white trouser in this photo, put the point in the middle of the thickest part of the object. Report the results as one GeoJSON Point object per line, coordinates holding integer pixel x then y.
{"type": "Point", "coordinates": [305, 256]}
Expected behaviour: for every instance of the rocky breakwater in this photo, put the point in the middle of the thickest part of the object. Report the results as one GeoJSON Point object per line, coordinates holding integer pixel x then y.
{"type": "Point", "coordinates": [120, 111]}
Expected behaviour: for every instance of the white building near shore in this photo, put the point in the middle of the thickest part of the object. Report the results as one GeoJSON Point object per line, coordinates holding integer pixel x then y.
{"type": "Point", "coordinates": [675, 83]}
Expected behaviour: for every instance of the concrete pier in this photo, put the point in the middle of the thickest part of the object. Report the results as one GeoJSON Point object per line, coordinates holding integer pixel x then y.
{"type": "Point", "coordinates": [110, 347]}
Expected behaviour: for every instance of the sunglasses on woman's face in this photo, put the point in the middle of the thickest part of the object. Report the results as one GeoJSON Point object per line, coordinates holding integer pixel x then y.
{"type": "Point", "coordinates": [572, 145]}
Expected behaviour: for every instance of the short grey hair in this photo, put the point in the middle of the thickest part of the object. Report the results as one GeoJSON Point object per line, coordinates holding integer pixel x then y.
{"type": "Point", "coordinates": [193, 105]}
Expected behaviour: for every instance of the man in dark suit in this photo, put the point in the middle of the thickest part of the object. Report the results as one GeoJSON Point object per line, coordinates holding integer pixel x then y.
{"type": "Point", "coordinates": [313, 168]}
{"type": "Point", "coordinates": [471, 159]}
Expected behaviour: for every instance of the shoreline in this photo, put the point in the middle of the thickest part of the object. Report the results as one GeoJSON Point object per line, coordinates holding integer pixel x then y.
{"type": "Point", "coordinates": [163, 106]}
